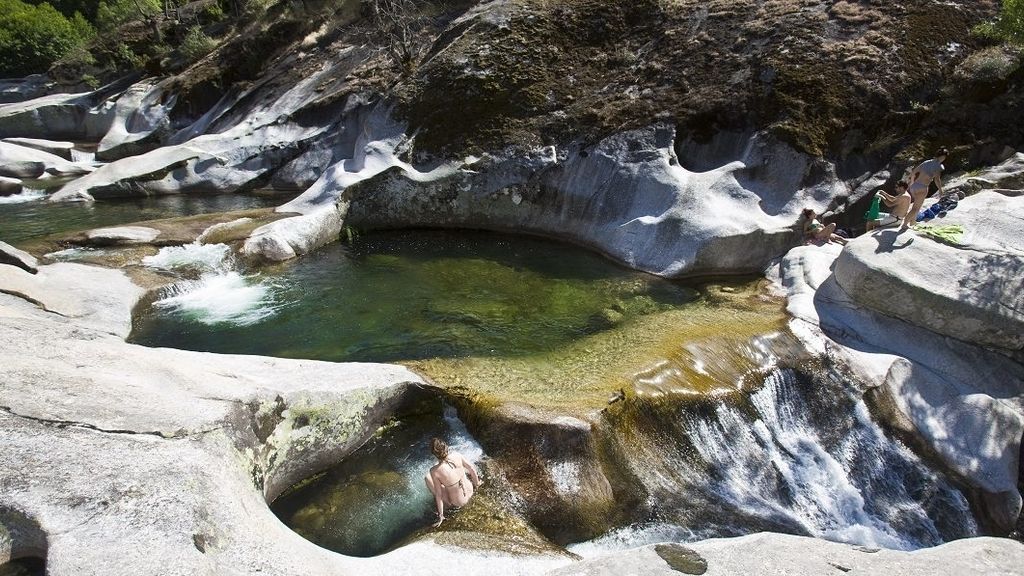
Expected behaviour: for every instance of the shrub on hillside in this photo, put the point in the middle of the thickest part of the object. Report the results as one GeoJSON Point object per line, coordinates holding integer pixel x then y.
{"type": "Point", "coordinates": [1009, 26]}
{"type": "Point", "coordinates": [34, 37]}
{"type": "Point", "coordinates": [112, 13]}
{"type": "Point", "coordinates": [990, 65]}
{"type": "Point", "coordinates": [196, 44]}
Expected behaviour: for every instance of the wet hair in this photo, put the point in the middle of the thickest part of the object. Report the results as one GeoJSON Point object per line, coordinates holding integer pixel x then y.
{"type": "Point", "coordinates": [941, 152]}
{"type": "Point", "coordinates": [439, 448]}
{"type": "Point", "coordinates": [902, 184]}
{"type": "Point", "coordinates": [807, 213]}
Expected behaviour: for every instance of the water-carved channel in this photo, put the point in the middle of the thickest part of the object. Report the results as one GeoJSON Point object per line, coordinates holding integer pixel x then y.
{"type": "Point", "coordinates": [698, 415]}
{"type": "Point", "coordinates": [608, 408]}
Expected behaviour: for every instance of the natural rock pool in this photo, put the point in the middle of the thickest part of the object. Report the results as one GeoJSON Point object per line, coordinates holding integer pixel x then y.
{"type": "Point", "coordinates": [607, 408]}
{"type": "Point", "coordinates": [696, 412]}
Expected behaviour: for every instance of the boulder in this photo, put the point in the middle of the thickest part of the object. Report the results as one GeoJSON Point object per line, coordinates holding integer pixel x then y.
{"type": "Point", "coordinates": [21, 170]}
{"type": "Point", "coordinates": [287, 238]}
{"type": "Point", "coordinates": [12, 256]}
{"type": "Point", "coordinates": [24, 162]}
{"type": "Point", "coordinates": [568, 497]}
{"type": "Point", "coordinates": [62, 149]}
{"type": "Point", "coordinates": [10, 186]}
{"type": "Point", "coordinates": [973, 291]}
{"type": "Point", "coordinates": [140, 121]}
{"type": "Point", "coordinates": [629, 197]}
{"type": "Point", "coordinates": [121, 235]}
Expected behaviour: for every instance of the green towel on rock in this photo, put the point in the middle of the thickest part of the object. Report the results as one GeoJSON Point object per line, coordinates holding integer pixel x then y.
{"type": "Point", "coordinates": [948, 233]}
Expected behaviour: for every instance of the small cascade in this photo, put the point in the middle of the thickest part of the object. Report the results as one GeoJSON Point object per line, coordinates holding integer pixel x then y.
{"type": "Point", "coordinates": [26, 195]}
{"type": "Point", "coordinates": [82, 155]}
{"type": "Point", "coordinates": [213, 292]}
{"type": "Point", "coordinates": [799, 456]}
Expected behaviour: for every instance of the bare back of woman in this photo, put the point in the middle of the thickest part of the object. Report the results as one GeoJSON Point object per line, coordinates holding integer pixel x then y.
{"type": "Point", "coordinates": [452, 481]}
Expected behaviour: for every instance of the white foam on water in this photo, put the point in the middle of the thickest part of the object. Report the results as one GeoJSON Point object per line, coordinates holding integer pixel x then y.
{"type": "Point", "coordinates": [27, 195]}
{"type": "Point", "coordinates": [778, 467]}
{"type": "Point", "coordinates": [224, 297]}
{"type": "Point", "coordinates": [206, 257]}
{"type": "Point", "coordinates": [461, 440]}
{"type": "Point", "coordinates": [72, 253]}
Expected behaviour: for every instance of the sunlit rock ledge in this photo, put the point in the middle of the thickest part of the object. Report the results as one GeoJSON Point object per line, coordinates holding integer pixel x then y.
{"type": "Point", "coordinates": [121, 459]}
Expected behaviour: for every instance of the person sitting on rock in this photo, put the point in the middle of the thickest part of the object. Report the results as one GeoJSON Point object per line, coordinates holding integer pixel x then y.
{"type": "Point", "coordinates": [920, 183]}
{"type": "Point", "coordinates": [898, 203]}
{"type": "Point", "coordinates": [447, 480]}
{"type": "Point", "coordinates": [815, 231]}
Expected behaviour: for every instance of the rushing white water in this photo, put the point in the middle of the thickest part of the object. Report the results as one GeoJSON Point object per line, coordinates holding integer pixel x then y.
{"type": "Point", "coordinates": [204, 257]}
{"type": "Point", "coordinates": [460, 439]}
{"type": "Point", "coordinates": [837, 477]}
{"type": "Point", "coordinates": [27, 195]}
{"type": "Point", "coordinates": [220, 294]}
{"type": "Point", "coordinates": [221, 297]}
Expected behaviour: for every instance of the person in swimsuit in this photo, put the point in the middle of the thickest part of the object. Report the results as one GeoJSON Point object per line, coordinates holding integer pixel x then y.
{"type": "Point", "coordinates": [899, 203]}
{"type": "Point", "coordinates": [920, 182]}
{"type": "Point", "coordinates": [447, 480]}
{"type": "Point", "coordinates": [815, 231]}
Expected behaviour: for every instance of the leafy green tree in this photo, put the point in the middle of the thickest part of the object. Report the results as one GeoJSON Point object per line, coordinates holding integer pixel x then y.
{"type": "Point", "coordinates": [34, 37]}
{"type": "Point", "coordinates": [112, 13]}
{"type": "Point", "coordinates": [1009, 26]}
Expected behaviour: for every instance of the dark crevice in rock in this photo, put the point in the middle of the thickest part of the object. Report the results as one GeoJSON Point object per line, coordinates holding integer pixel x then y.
{"type": "Point", "coordinates": [73, 424]}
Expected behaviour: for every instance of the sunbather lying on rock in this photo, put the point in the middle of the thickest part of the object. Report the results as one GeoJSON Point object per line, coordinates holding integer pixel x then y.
{"type": "Point", "coordinates": [815, 231]}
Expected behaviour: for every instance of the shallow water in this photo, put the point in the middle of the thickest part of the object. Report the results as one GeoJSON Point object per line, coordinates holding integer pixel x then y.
{"type": "Point", "coordinates": [29, 216]}
{"type": "Point", "coordinates": [405, 296]}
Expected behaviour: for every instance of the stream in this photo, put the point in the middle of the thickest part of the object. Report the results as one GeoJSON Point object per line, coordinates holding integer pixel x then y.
{"type": "Point", "coordinates": [728, 428]}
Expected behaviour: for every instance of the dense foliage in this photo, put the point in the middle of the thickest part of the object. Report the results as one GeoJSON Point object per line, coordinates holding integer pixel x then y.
{"type": "Point", "coordinates": [1009, 27]}
{"type": "Point", "coordinates": [33, 37]}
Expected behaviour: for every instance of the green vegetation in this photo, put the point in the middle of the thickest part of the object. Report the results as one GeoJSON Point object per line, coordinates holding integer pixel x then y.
{"type": "Point", "coordinates": [196, 44]}
{"type": "Point", "coordinates": [112, 13]}
{"type": "Point", "coordinates": [34, 37]}
{"type": "Point", "coordinates": [1009, 26]}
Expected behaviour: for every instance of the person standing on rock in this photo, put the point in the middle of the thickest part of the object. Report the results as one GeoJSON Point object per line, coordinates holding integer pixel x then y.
{"type": "Point", "coordinates": [447, 480]}
{"type": "Point", "coordinates": [920, 183]}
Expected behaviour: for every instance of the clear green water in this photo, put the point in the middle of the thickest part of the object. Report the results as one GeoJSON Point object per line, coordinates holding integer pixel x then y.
{"type": "Point", "coordinates": [377, 496]}
{"type": "Point", "coordinates": [24, 221]}
{"type": "Point", "coordinates": [403, 296]}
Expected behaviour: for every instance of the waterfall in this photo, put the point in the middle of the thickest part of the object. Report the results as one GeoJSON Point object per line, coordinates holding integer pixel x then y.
{"type": "Point", "coordinates": [220, 294]}
{"type": "Point", "coordinates": [788, 461]}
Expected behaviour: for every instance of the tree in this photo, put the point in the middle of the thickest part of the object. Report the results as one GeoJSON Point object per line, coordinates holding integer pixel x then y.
{"type": "Point", "coordinates": [34, 37]}
{"type": "Point", "coordinates": [398, 22]}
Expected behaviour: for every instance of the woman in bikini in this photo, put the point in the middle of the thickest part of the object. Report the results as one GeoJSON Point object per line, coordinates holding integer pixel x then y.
{"type": "Point", "coordinates": [920, 182]}
{"type": "Point", "coordinates": [447, 480]}
{"type": "Point", "coordinates": [815, 231]}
